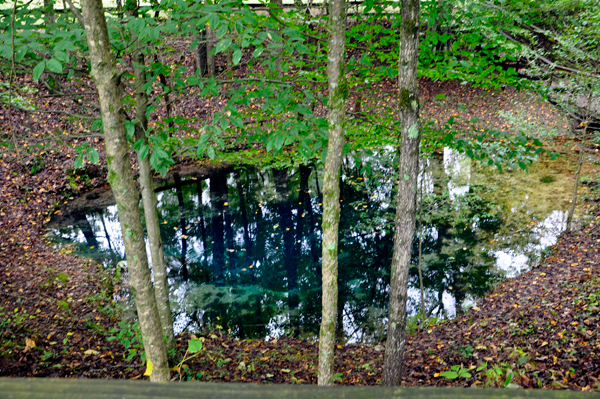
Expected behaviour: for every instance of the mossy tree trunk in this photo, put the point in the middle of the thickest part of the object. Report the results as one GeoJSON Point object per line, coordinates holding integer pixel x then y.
{"type": "Point", "coordinates": [120, 177]}
{"type": "Point", "coordinates": [150, 202]}
{"type": "Point", "coordinates": [407, 189]}
{"type": "Point", "coordinates": [338, 94]}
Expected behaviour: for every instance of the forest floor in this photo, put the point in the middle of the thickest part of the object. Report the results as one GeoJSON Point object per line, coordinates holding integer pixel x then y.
{"type": "Point", "coordinates": [540, 329]}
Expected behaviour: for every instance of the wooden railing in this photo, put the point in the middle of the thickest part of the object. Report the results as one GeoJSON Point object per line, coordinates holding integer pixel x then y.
{"type": "Point", "coordinates": [21, 388]}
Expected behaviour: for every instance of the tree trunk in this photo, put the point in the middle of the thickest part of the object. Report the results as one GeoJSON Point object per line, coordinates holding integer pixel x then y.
{"type": "Point", "coordinates": [218, 185]}
{"type": "Point", "coordinates": [229, 241]}
{"type": "Point", "coordinates": [150, 202]}
{"type": "Point", "coordinates": [245, 224]}
{"type": "Point", "coordinates": [420, 262]}
{"type": "Point", "coordinates": [201, 54]}
{"type": "Point", "coordinates": [338, 93]}
{"type": "Point", "coordinates": [304, 196]}
{"type": "Point", "coordinates": [87, 230]}
{"type": "Point", "coordinates": [49, 12]}
{"type": "Point", "coordinates": [210, 44]}
{"type": "Point", "coordinates": [182, 226]}
{"type": "Point", "coordinates": [289, 245]}
{"type": "Point", "coordinates": [120, 177]}
{"type": "Point", "coordinates": [407, 189]}
{"type": "Point", "coordinates": [575, 188]}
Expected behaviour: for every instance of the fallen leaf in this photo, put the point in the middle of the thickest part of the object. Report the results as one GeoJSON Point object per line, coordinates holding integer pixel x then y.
{"type": "Point", "coordinates": [149, 369]}
{"type": "Point", "coordinates": [29, 344]}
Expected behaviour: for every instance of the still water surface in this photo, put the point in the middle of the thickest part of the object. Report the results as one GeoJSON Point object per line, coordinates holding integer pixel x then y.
{"type": "Point", "coordinates": [243, 244]}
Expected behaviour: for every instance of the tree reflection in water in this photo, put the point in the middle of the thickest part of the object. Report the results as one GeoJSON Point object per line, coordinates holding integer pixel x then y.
{"type": "Point", "coordinates": [243, 245]}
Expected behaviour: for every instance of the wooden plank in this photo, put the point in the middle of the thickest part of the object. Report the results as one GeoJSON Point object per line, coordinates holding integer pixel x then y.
{"type": "Point", "coordinates": [27, 388]}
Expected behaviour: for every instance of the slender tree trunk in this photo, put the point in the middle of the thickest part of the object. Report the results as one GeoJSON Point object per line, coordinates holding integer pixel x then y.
{"type": "Point", "coordinates": [247, 241]}
{"type": "Point", "coordinates": [289, 244]}
{"type": "Point", "coordinates": [150, 202]}
{"type": "Point", "coordinates": [120, 177]}
{"type": "Point", "coordinates": [407, 189]}
{"type": "Point", "coordinates": [229, 241]}
{"type": "Point", "coordinates": [575, 188]}
{"type": "Point", "coordinates": [182, 226]}
{"type": "Point", "coordinates": [201, 214]}
{"type": "Point", "coordinates": [86, 228]}
{"type": "Point", "coordinates": [218, 185]}
{"type": "Point", "coordinates": [49, 12]}
{"type": "Point", "coordinates": [338, 94]}
{"type": "Point", "coordinates": [210, 44]}
{"type": "Point", "coordinates": [305, 172]}
{"type": "Point", "coordinates": [201, 55]}
{"type": "Point", "coordinates": [420, 268]}
{"type": "Point", "coordinates": [166, 90]}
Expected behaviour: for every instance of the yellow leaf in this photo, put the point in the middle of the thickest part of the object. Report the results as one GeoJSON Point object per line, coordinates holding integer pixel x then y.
{"type": "Point", "coordinates": [149, 369]}
{"type": "Point", "coordinates": [436, 375]}
{"type": "Point", "coordinates": [90, 352]}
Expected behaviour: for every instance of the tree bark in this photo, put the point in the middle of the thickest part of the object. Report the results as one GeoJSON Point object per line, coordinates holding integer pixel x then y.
{"type": "Point", "coordinates": [338, 94]}
{"type": "Point", "coordinates": [49, 12]}
{"type": "Point", "coordinates": [575, 188]}
{"type": "Point", "coordinates": [201, 55]}
{"type": "Point", "coordinates": [183, 227]}
{"type": "Point", "coordinates": [407, 189]}
{"type": "Point", "coordinates": [150, 202]}
{"type": "Point", "coordinates": [120, 177]}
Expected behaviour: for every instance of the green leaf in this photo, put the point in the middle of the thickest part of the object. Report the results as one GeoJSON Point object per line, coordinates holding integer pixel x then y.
{"type": "Point", "coordinates": [54, 65]}
{"type": "Point", "coordinates": [406, 177]}
{"type": "Point", "coordinates": [138, 144]}
{"type": "Point", "coordinates": [259, 50]}
{"type": "Point", "coordinates": [154, 160]}
{"type": "Point", "coordinates": [194, 345]}
{"type": "Point", "coordinates": [38, 70]}
{"type": "Point", "coordinates": [223, 45]}
{"type": "Point", "coordinates": [79, 161]}
{"type": "Point", "coordinates": [61, 56]}
{"type": "Point", "coordinates": [92, 155]}
{"type": "Point", "coordinates": [144, 151]}
{"type": "Point", "coordinates": [449, 374]}
{"type": "Point", "coordinates": [237, 56]}
{"type": "Point", "coordinates": [130, 129]}
{"type": "Point", "coordinates": [221, 31]}
{"type": "Point", "coordinates": [210, 152]}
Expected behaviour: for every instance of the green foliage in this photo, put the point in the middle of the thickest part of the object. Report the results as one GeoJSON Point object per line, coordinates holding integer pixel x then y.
{"type": "Point", "coordinates": [194, 348]}
{"type": "Point", "coordinates": [17, 98]}
{"type": "Point", "coordinates": [456, 372]}
{"type": "Point", "coordinates": [129, 335]}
